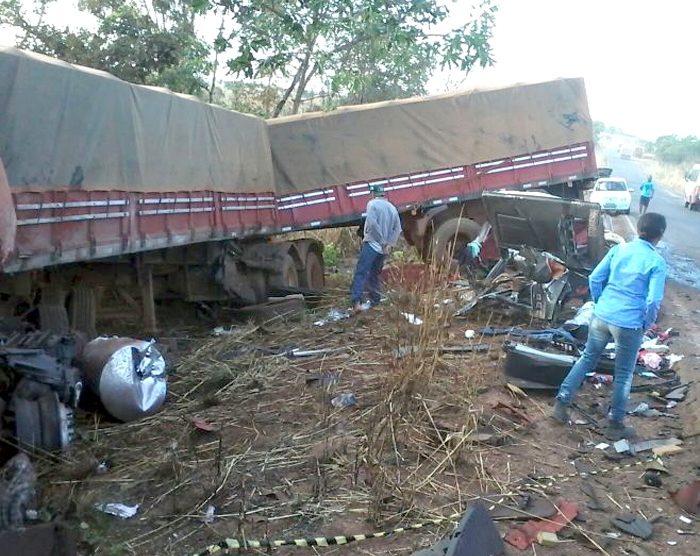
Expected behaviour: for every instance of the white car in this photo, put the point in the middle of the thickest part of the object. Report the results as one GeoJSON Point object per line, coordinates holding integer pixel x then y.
{"type": "Point", "coordinates": [613, 195]}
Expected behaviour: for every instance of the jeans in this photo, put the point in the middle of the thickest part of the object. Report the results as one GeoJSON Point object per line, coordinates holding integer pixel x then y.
{"type": "Point", "coordinates": [367, 275]}
{"type": "Point", "coordinates": [627, 343]}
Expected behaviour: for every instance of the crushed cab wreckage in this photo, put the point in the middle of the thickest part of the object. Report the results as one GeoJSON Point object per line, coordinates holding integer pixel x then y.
{"type": "Point", "coordinates": [548, 247]}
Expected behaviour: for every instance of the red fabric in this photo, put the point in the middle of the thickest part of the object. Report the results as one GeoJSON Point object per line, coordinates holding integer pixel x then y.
{"type": "Point", "coordinates": [526, 534]}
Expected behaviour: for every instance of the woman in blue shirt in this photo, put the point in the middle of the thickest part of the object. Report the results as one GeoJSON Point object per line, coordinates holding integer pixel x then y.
{"type": "Point", "coordinates": [627, 288]}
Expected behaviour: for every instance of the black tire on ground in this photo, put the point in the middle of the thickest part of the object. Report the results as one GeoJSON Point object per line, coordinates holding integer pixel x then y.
{"type": "Point", "coordinates": [313, 277]}
{"type": "Point", "coordinates": [82, 310]}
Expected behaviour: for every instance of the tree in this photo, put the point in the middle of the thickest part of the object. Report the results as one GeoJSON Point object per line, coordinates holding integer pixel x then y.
{"type": "Point", "coordinates": [677, 150]}
{"type": "Point", "coordinates": [152, 42]}
{"type": "Point", "coordinates": [361, 49]}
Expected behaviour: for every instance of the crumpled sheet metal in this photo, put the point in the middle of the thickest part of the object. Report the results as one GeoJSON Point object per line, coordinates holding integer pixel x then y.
{"type": "Point", "coordinates": [128, 375]}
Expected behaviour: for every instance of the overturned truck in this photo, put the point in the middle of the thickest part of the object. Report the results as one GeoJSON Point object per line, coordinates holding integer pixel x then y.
{"type": "Point", "coordinates": [113, 192]}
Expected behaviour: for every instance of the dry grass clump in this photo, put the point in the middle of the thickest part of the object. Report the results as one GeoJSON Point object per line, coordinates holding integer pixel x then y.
{"type": "Point", "coordinates": [252, 432]}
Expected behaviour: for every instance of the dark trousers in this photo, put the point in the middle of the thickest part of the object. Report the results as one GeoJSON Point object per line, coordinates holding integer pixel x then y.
{"type": "Point", "coordinates": [367, 275]}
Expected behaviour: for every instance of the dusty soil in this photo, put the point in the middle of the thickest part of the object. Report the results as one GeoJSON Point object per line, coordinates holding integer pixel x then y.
{"type": "Point", "coordinates": [254, 434]}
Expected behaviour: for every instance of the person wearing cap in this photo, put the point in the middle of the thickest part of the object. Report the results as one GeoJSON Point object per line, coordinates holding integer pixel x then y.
{"type": "Point", "coordinates": [381, 232]}
{"type": "Point", "coordinates": [627, 288]}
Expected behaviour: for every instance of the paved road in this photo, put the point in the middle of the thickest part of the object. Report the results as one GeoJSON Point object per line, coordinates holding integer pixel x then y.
{"type": "Point", "coordinates": [681, 244]}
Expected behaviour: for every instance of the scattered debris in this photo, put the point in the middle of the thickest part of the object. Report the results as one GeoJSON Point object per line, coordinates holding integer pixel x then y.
{"type": "Point", "coordinates": [344, 400]}
{"type": "Point", "coordinates": [17, 489]}
{"type": "Point", "coordinates": [526, 534]}
{"type": "Point", "coordinates": [594, 502]}
{"type": "Point", "coordinates": [688, 497]}
{"type": "Point", "coordinates": [475, 535]}
{"type": "Point", "coordinates": [117, 509]}
{"type": "Point", "coordinates": [412, 319]}
{"type": "Point", "coordinates": [678, 394]}
{"type": "Point", "coordinates": [652, 478]}
{"type": "Point", "coordinates": [470, 334]}
{"type": "Point", "coordinates": [634, 525]}
{"type": "Point", "coordinates": [334, 315]}
{"type": "Point", "coordinates": [673, 359]}
{"type": "Point", "coordinates": [209, 514]}
{"type": "Point", "coordinates": [651, 360]}
{"type": "Point", "coordinates": [128, 375]}
{"type": "Point", "coordinates": [667, 450]}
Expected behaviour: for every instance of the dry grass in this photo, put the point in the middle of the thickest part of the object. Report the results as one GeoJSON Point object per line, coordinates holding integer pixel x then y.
{"type": "Point", "coordinates": [281, 461]}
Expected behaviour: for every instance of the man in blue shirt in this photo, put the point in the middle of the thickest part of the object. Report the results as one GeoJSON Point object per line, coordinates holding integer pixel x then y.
{"type": "Point", "coordinates": [646, 192]}
{"type": "Point", "coordinates": [627, 288]}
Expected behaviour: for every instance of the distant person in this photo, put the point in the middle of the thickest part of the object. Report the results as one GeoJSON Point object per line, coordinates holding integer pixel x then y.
{"type": "Point", "coordinates": [381, 232]}
{"type": "Point", "coordinates": [627, 288]}
{"type": "Point", "coordinates": [646, 192]}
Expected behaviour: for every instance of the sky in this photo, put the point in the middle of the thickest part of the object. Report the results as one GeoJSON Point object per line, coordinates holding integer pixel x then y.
{"type": "Point", "coordinates": [638, 58]}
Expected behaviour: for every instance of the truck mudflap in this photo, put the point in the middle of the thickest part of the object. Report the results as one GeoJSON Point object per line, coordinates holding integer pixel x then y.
{"type": "Point", "coordinates": [8, 219]}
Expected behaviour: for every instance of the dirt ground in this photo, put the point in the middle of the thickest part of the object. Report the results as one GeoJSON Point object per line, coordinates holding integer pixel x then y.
{"type": "Point", "coordinates": [250, 445]}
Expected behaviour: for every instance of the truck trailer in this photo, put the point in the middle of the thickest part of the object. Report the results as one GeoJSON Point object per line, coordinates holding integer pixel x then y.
{"type": "Point", "coordinates": [135, 191]}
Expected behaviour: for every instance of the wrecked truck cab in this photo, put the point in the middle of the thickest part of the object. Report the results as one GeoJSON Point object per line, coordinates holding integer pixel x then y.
{"type": "Point", "coordinates": [548, 246]}
{"type": "Point", "coordinates": [570, 230]}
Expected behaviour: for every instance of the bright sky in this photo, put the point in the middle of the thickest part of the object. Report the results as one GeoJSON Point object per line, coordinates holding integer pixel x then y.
{"type": "Point", "coordinates": [638, 58]}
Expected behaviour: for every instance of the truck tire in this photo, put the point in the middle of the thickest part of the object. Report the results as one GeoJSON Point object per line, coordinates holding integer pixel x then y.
{"type": "Point", "coordinates": [53, 316]}
{"type": "Point", "coordinates": [449, 236]}
{"type": "Point", "coordinates": [313, 277]}
{"type": "Point", "coordinates": [82, 310]}
{"type": "Point", "coordinates": [287, 274]}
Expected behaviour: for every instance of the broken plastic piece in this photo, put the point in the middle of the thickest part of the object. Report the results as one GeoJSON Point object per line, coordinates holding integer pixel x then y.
{"type": "Point", "coordinates": [117, 509]}
{"type": "Point", "coordinates": [346, 399]}
{"type": "Point", "coordinates": [634, 525]}
{"type": "Point", "coordinates": [412, 319]}
{"type": "Point", "coordinates": [546, 538]}
{"type": "Point", "coordinates": [526, 534]}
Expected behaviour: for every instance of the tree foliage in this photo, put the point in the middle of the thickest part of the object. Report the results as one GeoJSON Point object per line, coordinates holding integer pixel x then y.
{"type": "Point", "coordinates": [678, 150]}
{"type": "Point", "coordinates": [152, 42]}
{"type": "Point", "coordinates": [360, 49]}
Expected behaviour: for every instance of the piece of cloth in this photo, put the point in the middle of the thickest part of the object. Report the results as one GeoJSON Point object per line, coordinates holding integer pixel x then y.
{"type": "Point", "coordinates": [382, 225]}
{"type": "Point", "coordinates": [627, 342]}
{"type": "Point", "coordinates": [627, 286]}
{"type": "Point", "coordinates": [367, 275]}
{"type": "Point", "coordinates": [647, 189]}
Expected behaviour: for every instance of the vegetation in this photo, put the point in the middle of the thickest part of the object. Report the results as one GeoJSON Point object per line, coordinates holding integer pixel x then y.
{"type": "Point", "coordinates": [672, 149]}
{"type": "Point", "coordinates": [152, 42]}
{"type": "Point", "coordinates": [348, 51]}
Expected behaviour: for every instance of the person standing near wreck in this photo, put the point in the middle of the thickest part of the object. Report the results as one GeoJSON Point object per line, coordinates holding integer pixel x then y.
{"type": "Point", "coordinates": [627, 288]}
{"type": "Point", "coordinates": [646, 192]}
{"type": "Point", "coordinates": [381, 232]}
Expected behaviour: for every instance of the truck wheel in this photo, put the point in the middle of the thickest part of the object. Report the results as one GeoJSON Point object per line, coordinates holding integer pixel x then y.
{"type": "Point", "coordinates": [289, 275]}
{"type": "Point", "coordinates": [82, 310]}
{"type": "Point", "coordinates": [53, 316]}
{"type": "Point", "coordinates": [449, 237]}
{"type": "Point", "coordinates": [313, 277]}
